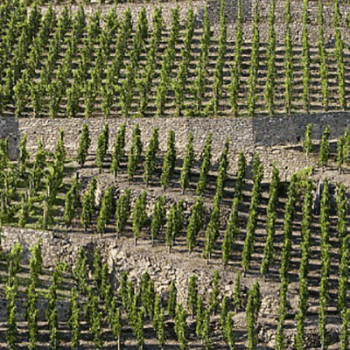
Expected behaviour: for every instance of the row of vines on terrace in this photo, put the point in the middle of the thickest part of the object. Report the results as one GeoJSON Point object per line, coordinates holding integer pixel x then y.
{"type": "Point", "coordinates": [74, 65]}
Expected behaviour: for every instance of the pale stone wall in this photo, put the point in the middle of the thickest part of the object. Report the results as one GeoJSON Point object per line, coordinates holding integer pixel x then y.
{"type": "Point", "coordinates": [262, 134]}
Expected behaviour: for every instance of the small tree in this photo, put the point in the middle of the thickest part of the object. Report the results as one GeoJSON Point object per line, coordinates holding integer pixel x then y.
{"type": "Point", "coordinates": [228, 331]}
{"type": "Point", "coordinates": [23, 158]}
{"type": "Point", "coordinates": [139, 216]}
{"type": "Point", "coordinates": [181, 326]}
{"type": "Point", "coordinates": [187, 164]}
{"type": "Point", "coordinates": [199, 316]}
{"type": "Point", "coordinates": [74, 319]}
{"type": "Point", "coordinates": [105, 210]}
{"type": "Point", "coordinates": [237, 294]}
{"type": "Point", "coordinates": [102, 147]}
{"type": "Point", "coordinates": [172, 300]}
{"type": "Point", "coordinates": [254, 63]}
{"type": "Point", "coordinates": [169, 161]}
{"type": "Point", "coordinates": [116, 324]}
{"type": "Point", "coordinates": [192, 295]}
{"type": "Point", "coordinates": [150, 157]}
{"type": "Point", "coordinates": [205, 166]}
{"type": "Point", "coordinates": [122, 212]}
{"type": "Point", "coordinates": [84, 145]}
{"type": "Point", "coordinates": [160, 329]}
{"type": "Point", "coordinates": [214, 301]}
{"type": "Point", "coordinates": [134, 152]}
{"type": "Point", "coordinates": [118, 150]}
{"type": "Point", "coordinates": [158, 217]}
{"type": "Point", "coordinates": [170, 230]}
{"type": "Point", "coordinates": [324, 148]}
{"type": "Point", "coordinates": [195, 224]}
{"type": "Point", "coordinates": [344, 334]}
{"type": "Point", "coordinates": [308, 145]}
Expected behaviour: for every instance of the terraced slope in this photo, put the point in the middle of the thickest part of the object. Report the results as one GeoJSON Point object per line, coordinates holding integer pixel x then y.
{"type": "Point", "coordinates": [74, 66]}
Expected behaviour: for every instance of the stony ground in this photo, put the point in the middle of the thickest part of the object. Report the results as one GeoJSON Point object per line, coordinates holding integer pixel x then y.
{"type": "Point", "coordinates": [122, 255]}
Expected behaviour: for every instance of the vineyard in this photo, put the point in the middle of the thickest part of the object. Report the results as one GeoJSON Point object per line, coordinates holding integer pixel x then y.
{"type": "Point", "coordinates": [77, 65]}
{"type": "Point", "coordinates": [275, 234]}
{"type": "Point", "coordinates": [130, 233]}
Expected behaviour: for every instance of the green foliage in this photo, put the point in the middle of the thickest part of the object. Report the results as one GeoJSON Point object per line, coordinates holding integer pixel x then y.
{"type": "Point", "coordinates": [181, 328]}
{"type": "Point", "coordinates": [254, 63]}
{"type": "Point", "coordinates": [106, 209]}
{"type": "Point", "coordinates": [236, 68]}
{"type": "Point", "coordinates": [271, 221]}
{"type": "Point", "coordinates": [12, 331]}
{"type": "Point", "coordinates": [167, 63]}
{"type": "Point", "coordinates": [187, 164]}
{"type": "Point", "coordinates": [237, 296]}
{"type": "Point", "coordinates": [102, 147]}
{"type": "Point", "coordinates": [240, 178]}
{"type": "Point", "coordinates": [74, 319]}
{"type": "Point", "coordinates": [288, 60]}
{"type": "Point", "coordinates": [71, 203]}
{"type": "Point", "coordinates": [23, 158]}
{"type": "Point", "coordinates": [97, 268]}
{"type": "Point", "coordinates": [222, 173]}
{"type": "Point", "coordinates": [169, 161]}
{"type": "Point", "coordinates": [192, 294]}
{"type": "Point", "coordinates": [344, 334]}
{"type": "Point", "coordinates": [147, 294]}
{"type": "Point", "coordinates": [324, 148]}
{"type": "Point", "coordinates": [122, 211]}
{"type": "Point", "coordinates": [23, 214]}
{"type": "Point", "coordinates": [252, 311]}
{"type": "Point", "coordinates": [31, 315]}
{"type": "Point", "coordinates": [88, 205]}
{"type": "Point", "coordinates": [199, 85]}
{"type": "Point", "coordinates": [199, 316]}
{"type": "Point", "coordinates": [84, 145]}
{"type": "Point", "coordinates": [80, 271]}
{"type": "Point", "coordinates": [118, 150]}
{"type": "Point", "coordinates": [205, 166]}
{"type": "Point", "coordinates": [271, 57]}
{"type": "Point", "coordinates": [305, 59]}
{"type": "Point", "coordinates": [158, 217]}
{"type": "Point", "coordinates": [151, 156]}
{"type": "Point", "coordinates": [174, 223]}
{"type": "Point", "coordinates": [212, 231]}
{"type": "Point", "coordinates": [195, 224]}
{"type": "Point", "coordinates": [179, 83]}
{"type": "Point", "coordinates": [308, 145]}
{"type": "Point", "coordinates": [248, 247]}
{"type": "Point", "coordinates": [139, 215]}
{"type": "Point", "coordinates": [161, 335]}
{"type": "Point", "coordinates": [214, 301]}
{"type": "Point", "coordinates": [339, 55]}
{"type": "Point", "coordinates": [213, 106]}
{"type": "Point", "coordinates": [343, 275]}
{"type": "Point", "coordinates": [14, 259]}
{"type": "Point", "coordinates": [206, 331]}
{"type": "Point", "coordinates": [144, 82]}
{"type": "Point", "coordinates": [172, 300]}
{"type": "Point", "coordinates": [36, 262]}
{"type": "Point", "coordinates": [228, 331]}
{"type": "Point", "coordinates": [135, 152]}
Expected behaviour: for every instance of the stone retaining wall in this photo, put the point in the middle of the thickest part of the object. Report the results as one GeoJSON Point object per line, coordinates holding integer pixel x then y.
{"type": "Point", "coordinates": [9, 128]}
{"type": "Point", "coordinates": [262, 134]}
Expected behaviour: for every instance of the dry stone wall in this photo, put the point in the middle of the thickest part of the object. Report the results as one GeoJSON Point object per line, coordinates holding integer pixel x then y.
{"type": "Point", "coordinates": [262, 134]}
{"type": "Point", "coordinates": [9, 128]}
{"type": "Point", "coordinates": [27, 238]}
